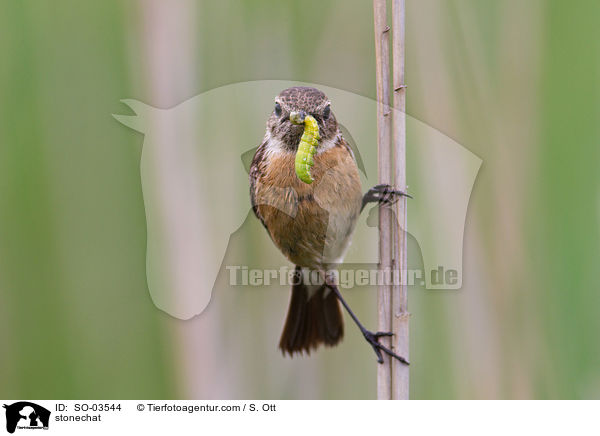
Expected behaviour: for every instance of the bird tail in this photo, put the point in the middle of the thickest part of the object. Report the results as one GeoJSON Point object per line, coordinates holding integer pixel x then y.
{"type": "Point", "coordinates": [314, 318]}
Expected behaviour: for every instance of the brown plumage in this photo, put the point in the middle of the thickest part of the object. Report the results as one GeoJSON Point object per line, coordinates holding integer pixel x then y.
{"type": "Point", "coordinates": [311, 224]}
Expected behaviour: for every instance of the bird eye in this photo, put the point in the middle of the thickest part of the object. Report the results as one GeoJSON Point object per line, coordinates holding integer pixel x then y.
{"type": "Point", "coordinates": [326, 112]}
{"type": "Point", "coordinates": [277, 109]}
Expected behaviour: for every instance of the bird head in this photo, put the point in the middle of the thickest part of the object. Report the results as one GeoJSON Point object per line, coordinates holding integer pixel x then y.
{"type": "Point", "coordinates": [292, 105]}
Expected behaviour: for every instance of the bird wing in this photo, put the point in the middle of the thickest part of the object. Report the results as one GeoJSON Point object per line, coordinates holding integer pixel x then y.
{"type": "Point", "coordinates": [255, 171]}
{"type": "Point", "coordinates": [345, 144]}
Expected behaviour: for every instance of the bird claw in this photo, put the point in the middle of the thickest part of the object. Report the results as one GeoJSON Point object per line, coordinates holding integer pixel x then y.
{"type": "Point", "coordinates": [373, 340]}
{"type": "Point", "coordinates": [380, 334]}
{"type": "Point", "coordinates": [386, 194]}
{"type": "Point", "coordinates": [383, 194]}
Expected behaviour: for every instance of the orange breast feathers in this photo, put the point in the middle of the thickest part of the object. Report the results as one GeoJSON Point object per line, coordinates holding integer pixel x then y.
{"type": "Point", "coordinates": [312, 224]}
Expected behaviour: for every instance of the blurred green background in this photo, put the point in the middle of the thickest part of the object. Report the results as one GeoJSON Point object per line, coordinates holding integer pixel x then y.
{"type": "Point", "coordinates": [516, 82]}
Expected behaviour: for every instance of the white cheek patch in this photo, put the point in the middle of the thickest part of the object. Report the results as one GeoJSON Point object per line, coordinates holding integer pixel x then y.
{"type": "Point", "coordinates": [274, 145]}
{"type": "Point", "coordinates": [328, 143]}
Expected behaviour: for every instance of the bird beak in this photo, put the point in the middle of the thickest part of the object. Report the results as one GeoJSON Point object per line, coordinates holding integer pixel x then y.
{"type": "Point", "coordinates": [297, 117]}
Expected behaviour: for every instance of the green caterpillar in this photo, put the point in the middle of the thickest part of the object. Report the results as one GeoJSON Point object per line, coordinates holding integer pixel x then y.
{"type": "Point", "coordinates": [307, 147]}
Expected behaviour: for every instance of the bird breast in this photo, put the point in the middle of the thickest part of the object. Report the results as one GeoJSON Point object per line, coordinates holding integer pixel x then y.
{"type": "Point", "coordinates": [311, 224]}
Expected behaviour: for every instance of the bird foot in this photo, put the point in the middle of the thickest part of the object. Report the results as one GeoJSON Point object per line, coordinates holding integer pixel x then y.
{"type": "Point", "coordinates": [373, 340]}
{"type": "Point", "coordinates": [383, 194]}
